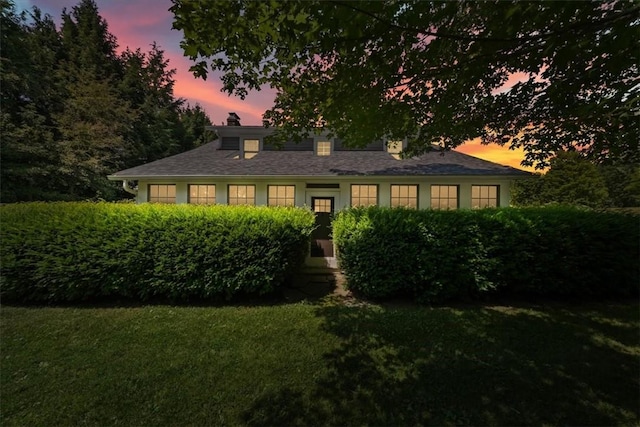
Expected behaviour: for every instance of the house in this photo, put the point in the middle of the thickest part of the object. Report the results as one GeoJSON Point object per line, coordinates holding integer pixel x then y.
{"type": "Point", "coordinates": [320, 172]}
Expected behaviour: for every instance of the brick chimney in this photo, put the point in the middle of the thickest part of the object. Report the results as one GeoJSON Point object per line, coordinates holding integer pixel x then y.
{"type": "Point", "coordinates": [233, 120]}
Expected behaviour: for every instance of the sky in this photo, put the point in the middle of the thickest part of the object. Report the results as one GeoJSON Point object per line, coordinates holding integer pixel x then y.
{"type": "Point", "coordinates": [139, 23]}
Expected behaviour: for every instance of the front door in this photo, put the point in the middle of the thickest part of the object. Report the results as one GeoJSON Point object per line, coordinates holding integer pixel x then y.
{"type": "Point", "coordinates": [321, 243]}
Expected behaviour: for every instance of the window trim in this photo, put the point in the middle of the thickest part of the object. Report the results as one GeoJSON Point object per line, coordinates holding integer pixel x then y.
{"type": "Point", "coordinates": [240, 204]}
{"type": "Point", "coordinates": [496, 186]}
{"type": "Point", "coordinates": [215, 194]}
{"type": "Point", "coordinates": [417, 198]}
{"type": "Point", "coordinates": [175, 194]}
{"type": "Point", "coordinates": [361, 185]}
{"type": "Point", "coordinates": [457, 187]}
{"type": "Point", "coordinates": [293, 199]}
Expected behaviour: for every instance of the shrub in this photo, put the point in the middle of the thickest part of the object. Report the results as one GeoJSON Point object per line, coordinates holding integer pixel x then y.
{"type": "Point", "coordinates": [440, 255]}
{"type": "Point", "coordinates": [433, 255]}
{"type": "Point", "coordinates": [64, 252]}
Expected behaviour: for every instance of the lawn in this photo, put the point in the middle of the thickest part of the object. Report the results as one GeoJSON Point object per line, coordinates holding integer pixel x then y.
{"type": "Point", "coordinates": [321, 364]}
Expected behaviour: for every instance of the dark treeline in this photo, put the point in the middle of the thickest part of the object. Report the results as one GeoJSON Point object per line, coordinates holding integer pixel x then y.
{"type": "Point", "coordinates": [574, 180]}
{"type": "Point", "coordinates": [73, 110]}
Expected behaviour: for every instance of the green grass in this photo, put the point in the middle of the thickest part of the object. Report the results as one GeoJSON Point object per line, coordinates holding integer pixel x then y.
{"type": "Point", "coordinates": [321, 364]}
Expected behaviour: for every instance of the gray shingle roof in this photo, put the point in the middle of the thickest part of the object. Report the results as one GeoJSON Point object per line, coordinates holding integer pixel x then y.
{"type": "Point", "coordinates": [209, 161]}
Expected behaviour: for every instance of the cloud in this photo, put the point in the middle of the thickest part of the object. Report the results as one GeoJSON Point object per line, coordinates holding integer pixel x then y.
{"type": "Point", "coordinates": [494, 153]}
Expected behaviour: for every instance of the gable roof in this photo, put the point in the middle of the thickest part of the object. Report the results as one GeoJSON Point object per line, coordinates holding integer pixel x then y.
{"type": "Point", "coordinates": [209, 160]}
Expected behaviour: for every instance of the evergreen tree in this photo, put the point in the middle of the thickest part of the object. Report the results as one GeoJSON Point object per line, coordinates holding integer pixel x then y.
{"type": "Point", "coordinates": [73, 111]}
{"type": "Point", "coordinates": [147, 84]}
{"type": "Point", "coordinates": [28, 93]}
{"type": "Point", "coordinates": [192, 132]}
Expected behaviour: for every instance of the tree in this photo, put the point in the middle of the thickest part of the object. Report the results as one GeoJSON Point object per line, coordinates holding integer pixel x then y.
{"type": "Point", "coordinates": [28, 91]}
{"type": "Point", "coordinates": [93, 124]}
{"type": "Point", "coordinates": [148, 85]}
{"type": "Point", "coordinates": [192, 132]}
{"type": "Point", "coordinates": [433, 70]}
{"type": "Point", "coordinates": [622, 184]}
{"type": "Point", "coordinates": [571, 179]}
{"type": "Point", "coordinates": [73, 111]}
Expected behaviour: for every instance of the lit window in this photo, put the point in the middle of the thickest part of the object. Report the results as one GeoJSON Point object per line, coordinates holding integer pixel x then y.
{"type": "Point", "coordinates": [281, 195]}
{"type": "Point", "coordinates": [404, 195]}
{"type": "Point", "coordinates": [444, 197]}
{"type": "Point", "coordinates": [323, 205]}
{"type": "Point", "coordinates": [251, 148]}
{"type": "Point", "coordinates": [484, 196]}
{"type": "Point", "coordinates": [324, 148]}
{"type": "Point", "coordinates": [364, 195]}
{"type": "Point", "coordinates": [242, 194]}
{"type": "Point", "coordinates": [162, 193]}
{"type": "Point", "coordinates": [202, 194]}
{"type": "Point", "coordinates": [394, 148]}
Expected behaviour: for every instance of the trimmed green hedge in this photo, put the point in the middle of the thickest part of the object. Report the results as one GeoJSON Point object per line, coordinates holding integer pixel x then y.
{"type": "Point", "coordinates": [64, 252]}
{"type": "Point", "coordinates": [440, 255]}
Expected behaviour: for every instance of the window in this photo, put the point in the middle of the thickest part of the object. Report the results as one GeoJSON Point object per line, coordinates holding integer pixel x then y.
{"type": "Point", "coordinates": [281, 195]}
{"type": "Point", "coordinates": [364, 195]}
{"type": "Point", "coordinates": [322, 205]}
{"type": "Point", "coordinates": [251, 148]}
{"type": "Point", "coordinates": [202, 194]}
{"type": "Point", "coordinates": [242, 194]}
{"type": "Point", "coordinates": [162, 193]}
{"type": "Point", "coordinates": [324, 148]}
{"type": "Point", "coordinates": [444, 197]}
{"type": "Point", "coordinates": [404, 195]}
{"type": "Point", "coordinates": [394, 148]}
{"type": "Point", "coordinates": [484, 196]}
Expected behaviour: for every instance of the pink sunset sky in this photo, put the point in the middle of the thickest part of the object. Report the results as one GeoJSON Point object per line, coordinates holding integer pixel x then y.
{"type": "Point", "coordinates": [138, 23]}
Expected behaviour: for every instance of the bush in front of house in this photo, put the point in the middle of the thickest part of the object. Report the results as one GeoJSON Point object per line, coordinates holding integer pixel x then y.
{"type": "Point", "coordinates": [68, 252]}
{"type": "Point", "coordinates": [440, 255]}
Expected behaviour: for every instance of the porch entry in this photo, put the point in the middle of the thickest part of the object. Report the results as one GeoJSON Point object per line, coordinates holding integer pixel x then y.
{"type": "Point", "coordinates": [321, 243]}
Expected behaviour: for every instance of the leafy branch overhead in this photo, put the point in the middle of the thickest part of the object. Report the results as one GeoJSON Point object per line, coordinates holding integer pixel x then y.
{"type": "Point", "coordinates": [440, 71]}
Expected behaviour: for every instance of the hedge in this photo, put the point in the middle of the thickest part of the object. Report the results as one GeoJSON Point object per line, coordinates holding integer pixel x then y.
{"type": "Point", "coordinates": [68, 252]}
{"type": "Point", "coordinates": [439, 255]}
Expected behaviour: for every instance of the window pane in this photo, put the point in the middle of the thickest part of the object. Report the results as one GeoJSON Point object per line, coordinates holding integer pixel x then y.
{"type": "Point", "coordinates": [394, 147]}
{"type": "Point", "coordinates": [406, 195]}
{"type": "Point", "coordinates": [241, 194]}
{"type": "Point", "coordinates": [202, 194]}
{"type": "Point", "coordinates": [483, 196]}
{"type": "Point", "coordinates": [364, 195]}
{"type": "Point", "coordinates": [444, 197]}
{"type": "Point", "coordinates": [324, 148]}
{"type": "Point", "coordinates": [251, 145]}
{"type": "Point", "coordinates": [281, 195]}
{"type": "Point", "coordinates": [162, 193]}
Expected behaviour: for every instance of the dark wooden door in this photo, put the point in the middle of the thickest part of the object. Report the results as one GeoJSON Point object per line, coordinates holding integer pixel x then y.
{"type": "Point", "coordinates": [321, 243]}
